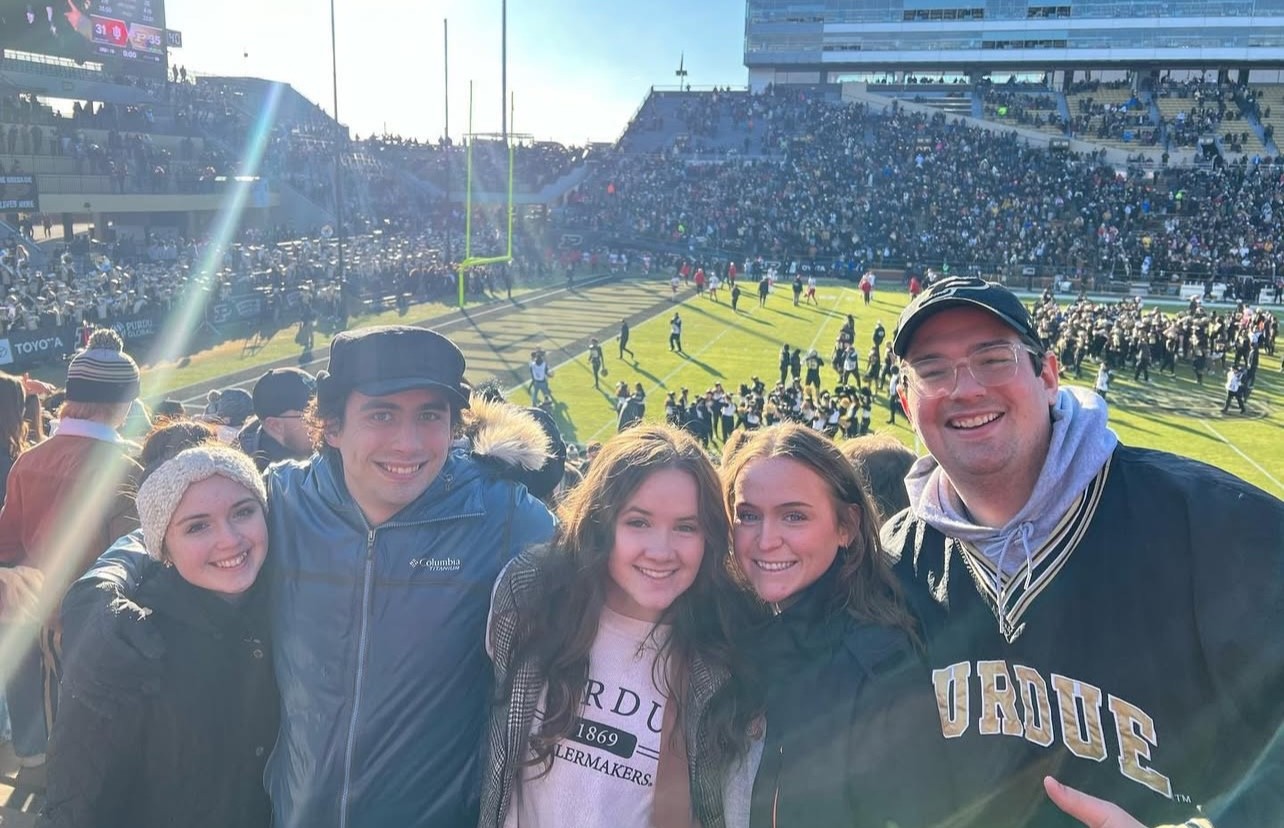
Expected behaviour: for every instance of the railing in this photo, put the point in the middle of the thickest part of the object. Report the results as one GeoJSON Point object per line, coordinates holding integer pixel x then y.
{"type": "Point", "coordinates": [693, 88]}
{"type": "Point", "coordinates": [99, 184]}
{"type": "Point", "coordinates": [38, 164]}
{"type": "Point", "coordinates": [633, 118]}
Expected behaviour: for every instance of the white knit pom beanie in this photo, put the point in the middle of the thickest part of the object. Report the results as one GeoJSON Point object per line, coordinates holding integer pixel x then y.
{"type": "Point", "coordinates": [160, 493]}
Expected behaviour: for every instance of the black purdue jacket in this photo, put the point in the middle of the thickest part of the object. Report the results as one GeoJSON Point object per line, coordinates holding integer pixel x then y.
{"type": "Point", "coordinates": [1144, 663]}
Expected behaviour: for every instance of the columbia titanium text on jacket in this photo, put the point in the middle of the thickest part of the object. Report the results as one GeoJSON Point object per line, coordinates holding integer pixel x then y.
{"type": "Point", "coordinates": [378, 641]}
{"type": "Point", "coordinates": [379, 644]}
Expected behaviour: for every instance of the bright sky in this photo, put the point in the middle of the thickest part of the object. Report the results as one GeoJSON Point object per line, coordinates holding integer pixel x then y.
{"type": "Point", "coordinates": [579, 68]}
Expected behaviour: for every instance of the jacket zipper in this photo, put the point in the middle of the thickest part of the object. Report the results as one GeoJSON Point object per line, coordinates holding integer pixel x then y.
{"type": "Point", "coordinates": [362, 640]}
{"type": "Point", "coordinates": [775, 797]}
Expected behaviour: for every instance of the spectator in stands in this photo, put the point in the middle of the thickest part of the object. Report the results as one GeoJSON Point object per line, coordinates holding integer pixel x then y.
{"type": "Point", "coordinates": [13, 426]}
{"type": "Point", "coordinates": [585, 606]}
{"type": "Point", "coordinates": [837, 660]}
{"type": "Point", "coordinates": [1089, 216]}
{"type": "Point", "coordinates": [278, 432]}
{"type": "Point", "coordinates": [228, 409]}
{"type": "Point", "coordinates": [881, 463]}
{"type": "Point", "coordinates": [67, 499]}
{"type": "Point", "coordinates": [191, 749]}
{"type": "Point", "coordinates": [1027, 487]}
{"type": "Point", "coordinates": [386, 488]}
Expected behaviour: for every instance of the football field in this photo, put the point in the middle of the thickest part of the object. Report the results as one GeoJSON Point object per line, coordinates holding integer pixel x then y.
{"type": "Point", "coordinates": [720, 345]}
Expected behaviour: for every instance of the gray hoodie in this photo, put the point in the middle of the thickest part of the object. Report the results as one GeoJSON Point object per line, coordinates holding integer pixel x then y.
{"type": "Point", "coordinates": [1081, 445]}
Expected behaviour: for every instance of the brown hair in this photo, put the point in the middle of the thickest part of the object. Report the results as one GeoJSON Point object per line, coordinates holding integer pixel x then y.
{"type": "Point", "coordinates": [323, 417]}
{"type": "Point", "coordinates": [13, 410]}
{"type": "Point", "coordinates": [557, 623]}
{"type": "Point", "coordinates": [881, 463]}
{"type": "Point", "coordinates": [866, 587]}
{"type": "Point", "coordinates": [35, 416]}
{"type": "Point", "coordinates": [166, 441]}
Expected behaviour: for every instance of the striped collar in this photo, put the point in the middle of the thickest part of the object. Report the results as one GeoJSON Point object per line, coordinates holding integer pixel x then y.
{"type": "Point", "coordinates": [1010, 596]}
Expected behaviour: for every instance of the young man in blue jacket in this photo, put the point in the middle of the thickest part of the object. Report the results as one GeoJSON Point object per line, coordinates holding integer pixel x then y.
{"type": "Point", "coordinates": [384, 548]}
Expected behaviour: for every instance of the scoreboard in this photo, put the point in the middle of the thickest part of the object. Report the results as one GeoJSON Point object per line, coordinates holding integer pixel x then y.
{"type": "Point", "coordinates": [130, 29]}
{"type": "Point", "coordinates": [129, 35]}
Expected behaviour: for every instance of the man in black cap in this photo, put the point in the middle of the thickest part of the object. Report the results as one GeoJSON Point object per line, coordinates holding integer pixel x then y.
{"type": "Point", "coordinates": [278, 431]}
{"type": "Point", "coordinates": [1100, 622]}
{"type": "Point", "coordinates": [385, 545]}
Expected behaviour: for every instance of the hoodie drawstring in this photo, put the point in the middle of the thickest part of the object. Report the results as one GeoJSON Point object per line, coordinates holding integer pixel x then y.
{"type": "Point", "coordinates": [1023, 531]}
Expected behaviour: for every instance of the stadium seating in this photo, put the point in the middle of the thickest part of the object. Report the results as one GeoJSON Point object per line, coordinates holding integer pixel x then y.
{"type": "Point", "coordinates": [853, 187]}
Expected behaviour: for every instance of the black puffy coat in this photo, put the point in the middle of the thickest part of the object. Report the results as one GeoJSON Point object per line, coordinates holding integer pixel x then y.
{"type": "Point", "coordinates": [852, 728]}
{"type": "Point", "coordinates": [188, 751]}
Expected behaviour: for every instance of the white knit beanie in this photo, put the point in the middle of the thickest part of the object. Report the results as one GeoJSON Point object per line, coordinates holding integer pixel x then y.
{"type": "Point", "coordinates": [160, 493]}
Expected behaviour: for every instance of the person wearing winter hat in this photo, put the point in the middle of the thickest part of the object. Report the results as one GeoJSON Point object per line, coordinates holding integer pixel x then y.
{"type": "Point", "coordinates": [388, 527]}
{"type": "Point", "coordinates": [190, 749]}
{"type": "Point", "coordinates": [228, 407]}
{"type": "Point", "coordinates": [278, 431]}
{"type": "Point", "coordinates": [67, 500]}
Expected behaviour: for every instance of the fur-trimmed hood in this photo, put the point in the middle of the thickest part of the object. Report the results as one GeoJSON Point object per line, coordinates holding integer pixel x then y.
{"type": "Point", "coordinates": [515, 444]}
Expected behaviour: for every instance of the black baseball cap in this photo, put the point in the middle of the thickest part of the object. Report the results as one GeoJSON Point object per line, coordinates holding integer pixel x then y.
{"type": "Point", "coordinates": [281, 390]}
{"type": "Point", "coordinates": [389, 359]}
{"type": "Point", "coordinates": [964, 291]}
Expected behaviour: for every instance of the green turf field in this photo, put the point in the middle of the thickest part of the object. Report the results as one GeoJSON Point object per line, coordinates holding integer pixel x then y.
{"type": "Point", "coordinates": [1172, 414]}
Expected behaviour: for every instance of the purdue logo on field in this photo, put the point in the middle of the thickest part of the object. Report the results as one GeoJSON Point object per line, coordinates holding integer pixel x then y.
{"type": "Point", "coordinates": [1078, 707]}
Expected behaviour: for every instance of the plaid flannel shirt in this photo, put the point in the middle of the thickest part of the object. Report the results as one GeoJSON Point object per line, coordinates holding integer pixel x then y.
{"type": "Point", "coordinates": [509, 725]}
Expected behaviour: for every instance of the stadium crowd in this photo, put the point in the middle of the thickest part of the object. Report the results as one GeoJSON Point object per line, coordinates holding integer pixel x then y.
{"type": "Point", "coordinates": [894, 188]}
{"type": "Point", "coordinates": [150, 276]}
{"type": "Point", "coordinates": [535, 163]}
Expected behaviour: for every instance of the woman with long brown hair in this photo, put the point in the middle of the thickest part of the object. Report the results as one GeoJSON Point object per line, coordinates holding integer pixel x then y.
{"type": "Point", "coordinates": [612, 651]}
{"type": "Point", "coordinates": [851, 723]}
{"type": "Point", "coordinates": [13, 425]}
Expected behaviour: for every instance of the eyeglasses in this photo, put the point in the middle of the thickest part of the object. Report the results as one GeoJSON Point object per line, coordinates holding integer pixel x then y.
{"type": "Point", "coordinates": [990, 366]}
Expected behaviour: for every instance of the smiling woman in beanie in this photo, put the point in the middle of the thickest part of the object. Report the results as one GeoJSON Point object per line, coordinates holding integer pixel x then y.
{"type": "Point", "coordinates": [190, 749]}
{"type": "Point", "coordinates": [67, 500]}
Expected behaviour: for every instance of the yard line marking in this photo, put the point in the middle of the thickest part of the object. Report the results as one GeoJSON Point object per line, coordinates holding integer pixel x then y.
{"type": "Point", "coordinates": [574, 359]}
{"type": "Point", "coordinates": [1250, 460]}
{"type": "Point", "coordinates": [839, 294]}
{"type": "Point", "coordinates": [473, 316]}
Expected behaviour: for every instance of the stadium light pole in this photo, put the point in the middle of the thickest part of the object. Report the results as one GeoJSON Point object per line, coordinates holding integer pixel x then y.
{"type": "Point", "coordinates": [338, 167]}
{"type": "Point", "coordinates": [503, 71]}
{"type": "Point", "coordinates": [445, 84]}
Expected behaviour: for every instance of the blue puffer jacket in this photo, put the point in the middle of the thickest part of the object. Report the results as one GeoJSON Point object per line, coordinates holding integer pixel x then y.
{"type": "Point", "coordinates": [379, 644]}
{"type": "Point", "coordinates": [378, 640]}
